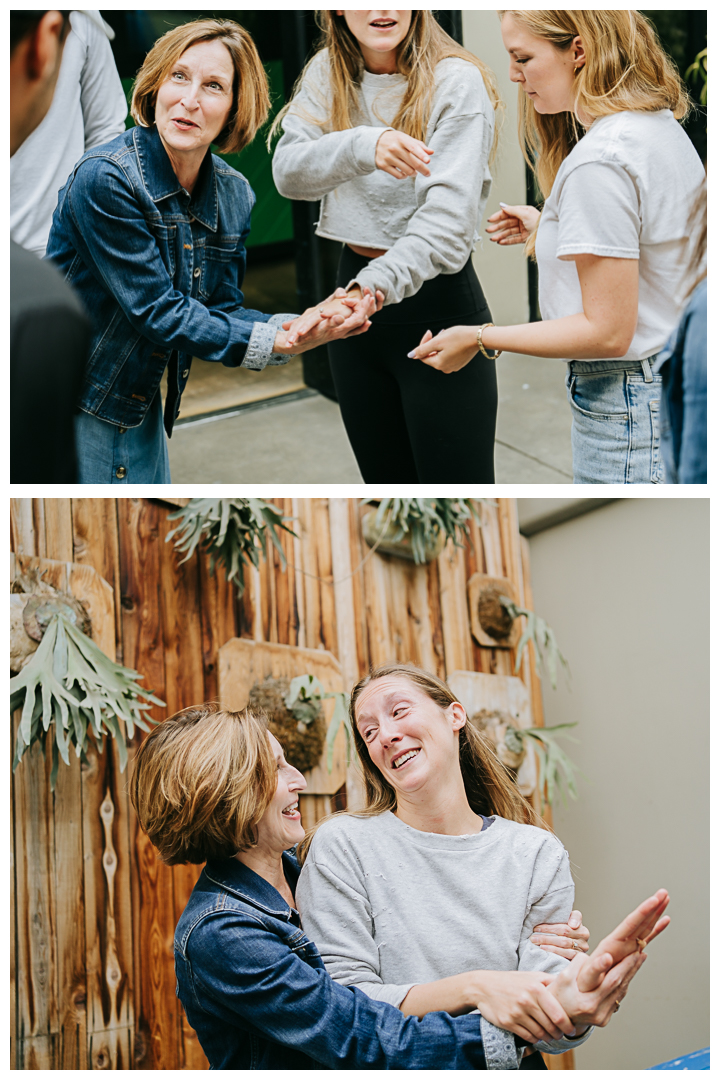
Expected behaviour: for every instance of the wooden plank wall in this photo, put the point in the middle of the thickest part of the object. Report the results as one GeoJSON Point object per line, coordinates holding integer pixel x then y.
{"type": "Point", "coordinates": [170, 620]}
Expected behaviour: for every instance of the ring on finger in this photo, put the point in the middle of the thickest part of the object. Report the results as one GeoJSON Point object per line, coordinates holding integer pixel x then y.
{"type": "Point", "coordinates": [574, 944]}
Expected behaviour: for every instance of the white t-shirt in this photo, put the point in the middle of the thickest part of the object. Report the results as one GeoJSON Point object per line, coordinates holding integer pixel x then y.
{"type": "Point", "coordinates": [87, 110]}
{"type": "Point", "coordinates": [624, 192]}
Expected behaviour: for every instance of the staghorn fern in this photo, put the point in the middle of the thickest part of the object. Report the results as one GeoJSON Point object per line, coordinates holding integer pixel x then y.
{"type": "Point", "coordinates": [557, 770]}
{"type": "Point", "coordinates": [424, 519]}
{"type": "Point", "coordinates": [70, 683]}
{"type": "Point", "coordinates": [233, 531]}
{"type": "Point", "coordinates": [543, 637]}
{"type": "Point", "coordinates": [305, 694]}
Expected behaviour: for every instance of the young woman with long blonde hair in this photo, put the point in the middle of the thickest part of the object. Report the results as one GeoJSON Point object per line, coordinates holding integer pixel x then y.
{"type": "Point", "coordinates": [392, 126]}
{"type": "Point", "coordinates": [447, 892]}
{"type": "Point", "coordinates": [600, 103]}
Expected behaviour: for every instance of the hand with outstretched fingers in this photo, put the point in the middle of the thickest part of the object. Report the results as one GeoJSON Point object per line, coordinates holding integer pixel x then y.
{"type": "Point", "coordinates": [512, 224]}
{"type": "Point", "coordinates": [591, 988]}
{"type": "Point", "coordinates": [449, 351]}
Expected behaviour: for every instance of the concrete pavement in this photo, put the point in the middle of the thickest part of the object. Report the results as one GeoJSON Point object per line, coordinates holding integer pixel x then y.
{"type": "Point", "coordinates": [300, 438]}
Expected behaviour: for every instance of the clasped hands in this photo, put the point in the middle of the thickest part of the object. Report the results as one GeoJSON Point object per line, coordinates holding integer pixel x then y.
{"type": "Point", "coordinates": [537, 1006]}
{"type": "Point", "coordinates": [344, 314]}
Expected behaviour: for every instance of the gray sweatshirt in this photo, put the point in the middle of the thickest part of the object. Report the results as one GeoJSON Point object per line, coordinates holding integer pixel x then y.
{"type": "Point", "coordinates": [427, 225]}
{"type": "Point", "coordinates": [389, 906]}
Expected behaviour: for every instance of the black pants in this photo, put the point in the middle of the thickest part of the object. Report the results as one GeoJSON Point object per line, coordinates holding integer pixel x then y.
{"type": "Point", "coordinates": [408, 423]}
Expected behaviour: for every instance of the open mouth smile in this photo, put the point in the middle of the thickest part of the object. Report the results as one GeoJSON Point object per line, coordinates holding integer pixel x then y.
{"type": "Point", "coordinates": [383, 24]}
{"type": "Point", "coordinates": [403, 758]}
{"type": "Point", "coordinates": [292, 811]}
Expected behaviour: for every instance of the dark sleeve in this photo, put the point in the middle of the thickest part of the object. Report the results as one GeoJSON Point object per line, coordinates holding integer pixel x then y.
{"type": "Point", "coordinates": [257, 977]}
{"type": "Point", "coordinates": [49, 339]}
{"type": "Point", "coordinates": [116, 242]}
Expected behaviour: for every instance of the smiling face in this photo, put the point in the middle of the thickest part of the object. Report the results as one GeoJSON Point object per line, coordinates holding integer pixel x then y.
{"type": "Point", "coordinates": [280, 828]}
{"type": "Point", "coordinates": [410, 739]}
{"type": "Point", "coordinates": [545, 72]}
{"type": "Point", "coordinates": [195, 100]}
{"type": "Point", "coordinates": [379, 35]}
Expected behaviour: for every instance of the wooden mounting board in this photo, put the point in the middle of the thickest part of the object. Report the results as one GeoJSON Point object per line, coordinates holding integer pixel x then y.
{"type": "Point", "coordinates": [476, 585]}
{"type": "Point", "coordinates": [242, 663]}
{"type": "Point", "coordinates": [506, 693]}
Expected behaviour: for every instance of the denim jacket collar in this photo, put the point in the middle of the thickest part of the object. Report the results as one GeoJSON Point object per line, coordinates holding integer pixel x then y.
{"type": "Point", "coordinates": [241, 881]}
{"type": "Point", "coordinates": [161, 182]}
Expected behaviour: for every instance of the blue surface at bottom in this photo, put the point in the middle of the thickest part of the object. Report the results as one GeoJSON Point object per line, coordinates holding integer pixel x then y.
{"type": "Point", "coordinates": [700, 1059]}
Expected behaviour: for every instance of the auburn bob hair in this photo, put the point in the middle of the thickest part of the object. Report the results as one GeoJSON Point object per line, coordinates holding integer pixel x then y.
{"type": "Point", "coordinates": [202, 780]}
{"type": "Point", "coordinates": [488, 786]}
{"type": "Point", "coordinates": [251, 96]}
{"type": "Point", "coordinates": [424, 46]}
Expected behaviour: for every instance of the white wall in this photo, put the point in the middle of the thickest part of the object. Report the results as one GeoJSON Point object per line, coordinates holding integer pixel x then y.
{"type": "Point", "coordinates": [625, 588]}
{"type": "Point", "coordinates": [502, 271]}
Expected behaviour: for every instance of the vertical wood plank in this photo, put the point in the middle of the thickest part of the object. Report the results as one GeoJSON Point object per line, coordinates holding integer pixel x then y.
{"type": "Point", "coordinates": [157, 1029]}
{"type": "Point", "coordinates": [58, 529]}
{"type": "Point", "coordinates": [95, 541]}
{"type": "Point", "coordinates": [23, 538]}
{"type": "Point", "coordinates": [457, 640]}
{"type": "Point", "coordinates": [36, 956]}
{"type": "Point", "coordinates": [181, 602]}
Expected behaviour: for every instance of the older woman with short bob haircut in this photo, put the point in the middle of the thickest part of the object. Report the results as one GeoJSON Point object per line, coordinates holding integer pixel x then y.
{"type": "Point", "coordinates": [213, 786]}
{"type": "Point", "coordinates": [150, 231]}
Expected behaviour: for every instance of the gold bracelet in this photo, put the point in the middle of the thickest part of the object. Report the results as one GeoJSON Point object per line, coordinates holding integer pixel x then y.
{"type": "Point", "coordinates": [480, 345]}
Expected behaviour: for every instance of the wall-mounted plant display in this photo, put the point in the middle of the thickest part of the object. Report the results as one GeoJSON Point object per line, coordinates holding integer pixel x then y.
{"type": "Point", "coordinates": [233, 531]}
{"type": "Point", "coordinates": [69, 683]}
{"type": "Point", "coordinates": [294, 708]}
{"type": "Point", "coordinates": [297, 721]}
{"type": "Point", "coordinates": [511, 743]}
{"type": "Point", "coordinates": [547, 651]}
{"type": "Point", "coordinates": [419, 529]}
{"type": "Point", "coordinates": [491, 623]}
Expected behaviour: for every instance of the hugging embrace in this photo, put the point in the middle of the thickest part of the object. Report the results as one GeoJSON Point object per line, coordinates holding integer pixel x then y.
{"type": "Point", "coordinates": [433, 929]}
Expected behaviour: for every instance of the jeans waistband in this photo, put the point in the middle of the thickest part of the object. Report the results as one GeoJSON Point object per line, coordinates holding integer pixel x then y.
{"type": "Point", "coordinates": [606, 367]}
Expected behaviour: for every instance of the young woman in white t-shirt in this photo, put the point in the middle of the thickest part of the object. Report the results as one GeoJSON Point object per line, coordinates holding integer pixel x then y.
{"type": "Point", "coordinates": [599, 105]}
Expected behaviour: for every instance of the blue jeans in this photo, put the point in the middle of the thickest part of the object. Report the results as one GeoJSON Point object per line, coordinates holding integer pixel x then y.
{"type": "Point", "coordinates": [108, 454]}
{"type": "Point", "coordinates": [616, 422]}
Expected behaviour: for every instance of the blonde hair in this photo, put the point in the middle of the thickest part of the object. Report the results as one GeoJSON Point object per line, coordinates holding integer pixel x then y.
{"type": "Point", "coordinates": [488, 785]}
{"type": "Point", "coordinates": [626, 68]}
{"type": "Point", "coordinates": [201, 782]}
{"type": "Point", "coordinates": [424, 46]}
{"type": "Point", "coordinates": [251, 96]}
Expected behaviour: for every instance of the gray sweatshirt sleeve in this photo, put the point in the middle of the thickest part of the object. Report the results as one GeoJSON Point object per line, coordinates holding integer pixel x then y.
{"type": "Point", "coordinates": [440, 234]}
{"type": "Point", "coordinates": [336, 915]}
{"type": "Point", "coordinates": [552, 902]}
{"type": "Point", "coordinates": [309, 161]}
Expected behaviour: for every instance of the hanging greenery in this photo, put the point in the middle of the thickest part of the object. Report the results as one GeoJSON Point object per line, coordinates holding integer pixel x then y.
{"type": "Point", "coordinates": [557, 771]}
{"type": "Point", "coordinates": [233, 531]}
{"type": "Point", "coordinates": [70, 683]}
{"type": "Point", "coordinates": [697, 73]}
{"type": "Point", "coordinates": [543, 637]}
{"type": "Point", "coordinates": [298, 725]}
{"type": "Point", "coordinates": [427, 523]}
{"type": "Point", "coordinates": [306, 694]}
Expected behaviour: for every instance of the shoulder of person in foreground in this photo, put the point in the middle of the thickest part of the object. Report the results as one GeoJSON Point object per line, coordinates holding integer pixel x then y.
{"type": "Point", "coordinates": [342, 828]}
{"type": "Point", "coordinates": [460, 88]}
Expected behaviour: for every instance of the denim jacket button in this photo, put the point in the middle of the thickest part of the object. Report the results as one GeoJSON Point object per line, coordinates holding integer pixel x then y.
{"type": "Point", "coordinates": [185, 373]}
{"type": "Point", "coordinates": [121, 472]}
{"type": "Point", "coordinates": [122, 430]}
{"type": "Point", "coordinates": [196, 272]}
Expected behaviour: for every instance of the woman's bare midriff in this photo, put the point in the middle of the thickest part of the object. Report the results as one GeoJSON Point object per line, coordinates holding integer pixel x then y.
{"type": "Point", "coordinates": [366, 253]}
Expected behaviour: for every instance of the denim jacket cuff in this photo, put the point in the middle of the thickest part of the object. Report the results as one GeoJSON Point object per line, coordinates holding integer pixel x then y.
{"type": "Point", "coordinates": [499, 1047]}
{"type": "Point", "coordinates": [259, 352]}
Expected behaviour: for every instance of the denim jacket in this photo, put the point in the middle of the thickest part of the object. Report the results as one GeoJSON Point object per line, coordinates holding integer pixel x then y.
{"type": "Point", "coordinates": [256, 991]}
{"type": "Point", "coordinates": [159, 271]}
